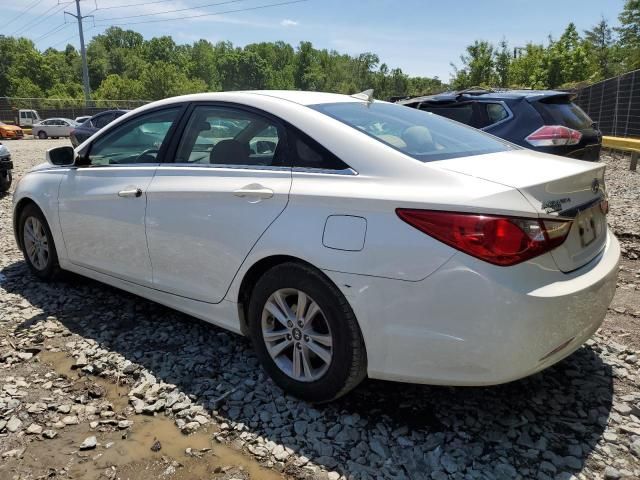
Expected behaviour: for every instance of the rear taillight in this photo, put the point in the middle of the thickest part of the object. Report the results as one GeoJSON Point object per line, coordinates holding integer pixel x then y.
{"type": "Point", "coordinates": [503, 241]}
{"type": "Point", "coordinates": [554, 135]}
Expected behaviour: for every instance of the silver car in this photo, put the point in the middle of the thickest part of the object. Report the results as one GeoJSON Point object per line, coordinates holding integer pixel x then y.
{"type": "Point", "coordinates": [53, 127]}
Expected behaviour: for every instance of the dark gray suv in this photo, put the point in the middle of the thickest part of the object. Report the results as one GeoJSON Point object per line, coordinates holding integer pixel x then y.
{"type": "Point", "coordinates": [544, 120]}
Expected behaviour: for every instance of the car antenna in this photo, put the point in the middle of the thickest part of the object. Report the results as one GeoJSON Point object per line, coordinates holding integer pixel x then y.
{"type": "Point", "coordinates": [367, 96]}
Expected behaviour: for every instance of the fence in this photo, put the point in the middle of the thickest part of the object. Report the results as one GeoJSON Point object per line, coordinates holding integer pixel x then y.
{"type": "Point", "coordinates": [60, 107]}
{"type": "Point", "coordinates": [614, 104]}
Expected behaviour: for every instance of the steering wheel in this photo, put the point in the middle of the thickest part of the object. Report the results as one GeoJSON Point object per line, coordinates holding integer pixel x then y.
{"type": "Point", "coordinates": [148, 152]}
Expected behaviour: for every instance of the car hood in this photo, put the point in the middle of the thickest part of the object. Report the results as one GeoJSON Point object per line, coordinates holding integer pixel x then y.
{"type": "Point", "coordinates": [10, 127]}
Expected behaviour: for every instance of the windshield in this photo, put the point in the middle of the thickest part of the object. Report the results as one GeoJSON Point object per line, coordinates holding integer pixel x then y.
{"type": "Point", "coordinates": [421, 135]}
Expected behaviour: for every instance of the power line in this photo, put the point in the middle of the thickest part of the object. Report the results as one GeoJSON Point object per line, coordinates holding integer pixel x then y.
{"type": "Point", "coordinates": [30, 24]}
{"type": "Point", "coordinates": [130, 5]}
{"type": "Point", "coordinates": [53, 31]}
{"type": "Point", "coordinates": [20, 14]}
{"type": "Point", "coordinates": [171, 11]}
{"type": "Point", "coordinates": [259, 7]}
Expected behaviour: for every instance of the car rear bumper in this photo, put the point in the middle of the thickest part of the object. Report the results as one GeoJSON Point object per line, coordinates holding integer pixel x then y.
{"type": "Point", "coordinates": [471, 323]}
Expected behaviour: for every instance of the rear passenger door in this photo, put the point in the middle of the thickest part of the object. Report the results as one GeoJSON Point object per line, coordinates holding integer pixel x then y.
{"type": "Point", "coordinates": [226, 182]}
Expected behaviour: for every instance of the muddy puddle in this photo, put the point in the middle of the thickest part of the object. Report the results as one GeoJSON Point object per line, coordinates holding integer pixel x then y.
{"type": "Point", "coordinates": [127, 454]}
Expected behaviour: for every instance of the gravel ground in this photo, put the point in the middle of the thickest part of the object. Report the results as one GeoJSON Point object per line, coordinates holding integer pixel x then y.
{"type": "Point", "coordinates": [98, 383]}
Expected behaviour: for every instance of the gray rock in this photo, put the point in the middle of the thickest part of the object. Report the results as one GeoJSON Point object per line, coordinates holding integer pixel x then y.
{"type": "Point", "coordinates": [635, 448]}
{"type": "Point", "coordinates": [14, 424]}
{"type": "Point", "coordinates": [89, 443]}
{"type": "Point", "coordinates": [572, 462]}
{"type": "Point", "coordinates": [611, 473]}
{"type": "Point", "coordinates": [34, 429]}
{"type": "Point", "coordinates": [300, 427]}
{"type": "Point", "coordinates": [49, 434]}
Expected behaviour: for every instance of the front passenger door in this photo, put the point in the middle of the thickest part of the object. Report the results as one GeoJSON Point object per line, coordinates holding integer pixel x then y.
{"type": "Point", "coordinates": [102, 203]}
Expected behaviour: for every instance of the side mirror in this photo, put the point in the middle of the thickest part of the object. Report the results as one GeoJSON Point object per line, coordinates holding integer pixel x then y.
{"type": "Point", "coordinates": [61, 156]}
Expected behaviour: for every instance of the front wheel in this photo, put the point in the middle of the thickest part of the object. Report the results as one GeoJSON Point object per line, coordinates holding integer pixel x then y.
{"type": "Point", "coordinates": [5, 180]}
{"type": "Point", "coordinates": [37, 243]}
{"type": "Point", "coordinates": [42, 135]}
{"type": "Point", "coordinates": [305, 333]}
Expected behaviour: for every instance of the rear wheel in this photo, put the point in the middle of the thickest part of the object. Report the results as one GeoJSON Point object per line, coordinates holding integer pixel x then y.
{"type": "Point", "coordinates": [305, 333]}
{"type": "Point", "coordinates": [37, 243]}
{"type": "Point", "coordinates": [42, 135]}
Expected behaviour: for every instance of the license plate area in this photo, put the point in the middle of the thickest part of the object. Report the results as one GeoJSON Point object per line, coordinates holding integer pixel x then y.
{"type": "Point", "coordinates": [587, 227]}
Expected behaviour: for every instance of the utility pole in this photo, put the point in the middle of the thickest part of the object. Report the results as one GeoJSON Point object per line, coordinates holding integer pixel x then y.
{"type": "Point", "coordinates": [83, 53]}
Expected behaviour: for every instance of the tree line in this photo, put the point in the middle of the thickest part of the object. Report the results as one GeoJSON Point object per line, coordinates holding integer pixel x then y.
{"type": "Point", "coordinates": [574, 59]}
{"type": "Point", "coordinates": [125, 66]}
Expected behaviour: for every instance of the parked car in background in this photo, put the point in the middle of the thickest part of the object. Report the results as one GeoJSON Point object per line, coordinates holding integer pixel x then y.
{"type": "Point", "coordinates": [82, 119]}
{"type": "Point", "coordinates": [6, 167]}
{"type": "Point", "coordinates": [27, 118]}
{"type": "Point", "coordinates": [12, 132]}
{"type": "Point", "coordinates": [543, 120]}
{"type": "Point", "coordinates": [91, 126]}
{"type": "Point", "coordinates": [345, 236]}
{"type": "Point", "coordinates": [54, 128]}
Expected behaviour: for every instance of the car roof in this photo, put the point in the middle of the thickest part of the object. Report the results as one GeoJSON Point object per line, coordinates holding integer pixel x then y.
{"type": "Point", "coordinates": [295, 96]}
{"type": "Point", "coordinates": [488, 95]}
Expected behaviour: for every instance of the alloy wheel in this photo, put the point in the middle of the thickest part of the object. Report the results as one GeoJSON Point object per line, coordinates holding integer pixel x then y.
{"type": "Point", "coordinates": [36, 243]}
{"type": "Point", "coordinates": [297, 335]}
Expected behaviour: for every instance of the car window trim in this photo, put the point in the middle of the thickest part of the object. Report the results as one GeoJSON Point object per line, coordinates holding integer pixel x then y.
{"type": "Point", "coordinates": [182, 107]}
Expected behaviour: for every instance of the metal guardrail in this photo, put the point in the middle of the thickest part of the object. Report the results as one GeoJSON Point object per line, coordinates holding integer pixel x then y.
{"type": "Point", "coordinates": [626, 145]}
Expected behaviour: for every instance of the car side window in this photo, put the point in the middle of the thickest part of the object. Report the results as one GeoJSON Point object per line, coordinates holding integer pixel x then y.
{"type": "Point", "coordinates": [136, 141]}
{"type": "Point", "coordinates": [496, 112]}
{"type": "Point", "coordinates": [228, 136]}
{"type": "Point", "coordinates": [307, 153]}
{"type": "Point", "coordinates": [460, 112]}
{"type": "Point", "coordinates": [102, 120]}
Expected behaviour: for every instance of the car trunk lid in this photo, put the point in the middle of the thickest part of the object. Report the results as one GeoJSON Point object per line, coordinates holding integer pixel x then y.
{"type": "Point", "coordinates": [555, 187]}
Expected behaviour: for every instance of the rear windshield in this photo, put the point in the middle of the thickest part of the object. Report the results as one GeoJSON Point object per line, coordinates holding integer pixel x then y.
{"type": "Point", "coordinates": [421, 135]}
{"type": "Point", "coordinates": [561, 111]}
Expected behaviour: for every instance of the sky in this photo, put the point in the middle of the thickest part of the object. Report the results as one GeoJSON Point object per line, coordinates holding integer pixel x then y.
{"type": "Point", "coordinates": [420, 36]}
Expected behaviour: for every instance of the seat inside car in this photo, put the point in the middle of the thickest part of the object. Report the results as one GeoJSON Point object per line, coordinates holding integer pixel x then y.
{"type": "Point", "coordinates": [230, 152]}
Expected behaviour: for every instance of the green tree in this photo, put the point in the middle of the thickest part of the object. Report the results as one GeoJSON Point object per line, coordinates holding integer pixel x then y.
{"type": "Point", "coordinates": [502, 63]}
{"type": "Point", "coordinates": [599, 41]}
{"type": "Point", "coordinates": [629, 34]}
{"type": "Point", "coordinates": [115, 87]}
{"type": "Point", "coordinates": [164, 80]}
{"type": "Point", "coordinates": [477, 66]}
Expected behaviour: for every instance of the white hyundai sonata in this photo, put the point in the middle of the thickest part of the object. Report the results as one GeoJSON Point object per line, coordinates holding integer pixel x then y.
{"type": "Point", "coordinates": [346, 237]}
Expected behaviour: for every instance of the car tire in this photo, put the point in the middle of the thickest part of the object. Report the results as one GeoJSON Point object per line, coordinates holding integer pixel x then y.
{"type": "Point", "coordinates": [6, 177]}
{"type": "Point", "coordinates": [42, 135]}
{"type": "Point", "coordinates": [38, 247]}
{"type": "Point", "coordinates": [342, 363]}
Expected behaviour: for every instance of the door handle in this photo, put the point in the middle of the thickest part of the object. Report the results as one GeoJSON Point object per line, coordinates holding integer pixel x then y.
{"type": "Point", "coordinates": [254, 191]}
{"type": "Point", "coordinates": [132, 192]}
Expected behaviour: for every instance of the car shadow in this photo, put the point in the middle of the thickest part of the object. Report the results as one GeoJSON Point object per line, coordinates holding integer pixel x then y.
{"type": "Point", "coordinates": [537, 427]}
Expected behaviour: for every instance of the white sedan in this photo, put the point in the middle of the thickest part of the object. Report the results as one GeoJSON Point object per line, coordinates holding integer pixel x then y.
{"type": "Point", "coordinates": [346, 237]}
{"type": "Point", "coordinates": [54, 128]}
